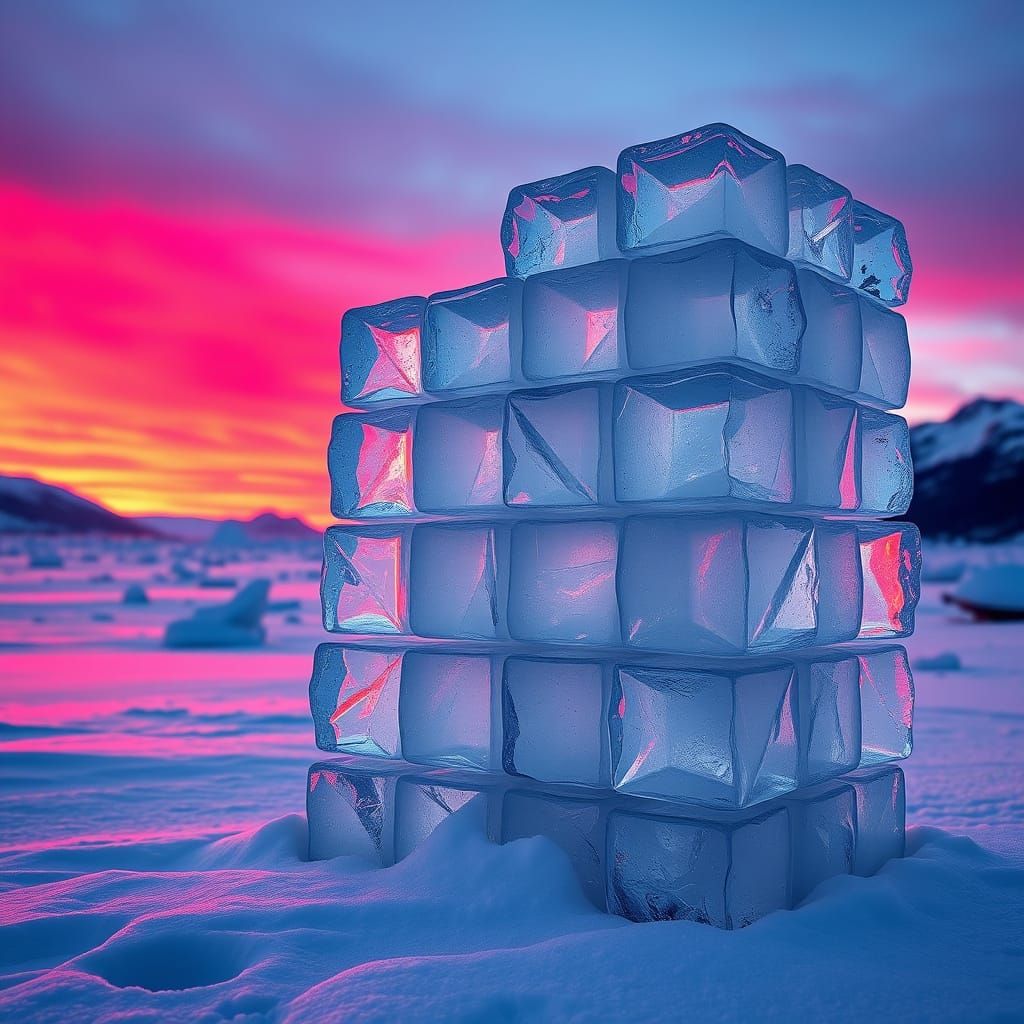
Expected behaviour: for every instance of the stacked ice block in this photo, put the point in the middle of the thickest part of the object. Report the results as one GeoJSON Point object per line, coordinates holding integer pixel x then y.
{"type": "Point", "coordinates": [611, 568]}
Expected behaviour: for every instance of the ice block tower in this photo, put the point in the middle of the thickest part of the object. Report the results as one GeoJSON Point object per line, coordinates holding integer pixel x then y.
{"type": "Point", "coordinates": [616, 564]}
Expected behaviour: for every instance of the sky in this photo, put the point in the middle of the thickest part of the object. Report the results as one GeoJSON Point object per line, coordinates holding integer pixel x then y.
{"type": "Point", "coordinates": [192, 193]}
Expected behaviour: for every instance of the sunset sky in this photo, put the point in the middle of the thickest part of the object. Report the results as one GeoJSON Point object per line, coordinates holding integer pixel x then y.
{"type": "Point", "coordinates": [191, 194]}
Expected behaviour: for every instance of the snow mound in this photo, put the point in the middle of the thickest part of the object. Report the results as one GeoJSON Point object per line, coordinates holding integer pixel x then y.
{"type": "Point", "coordinates": [997, 587]}
{"type": "Point", "coordinates": [135, 593]}
{"type": "Point", "coordinates": [466, 930]}
{"type": "Point", "coordinates": [947, 661]}
{"type": "Point", "coordinates": [236, 623]}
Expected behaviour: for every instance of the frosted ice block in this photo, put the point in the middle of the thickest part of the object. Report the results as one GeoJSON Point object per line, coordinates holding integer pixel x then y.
{"type": "Point", "coordinates": [560, 222]}
{"type": "Point", "coordinates": [711, 181]}
{"type": "Point", "coordinates": [832, 345]}
{"type": "Point", "coordinates": [555, 719]}
{"type": "Point", "coordinates": [553, 446]}
{"type": "Point", "coordinates": [459, 581]}
{"type": "Point", "coordinates": [702, 435]}
{"type": "Point", "coordinates": [448, 711]}
{"type": "Point", "coordinates": [723, 871]}
{"type": "Point", "coordinates": [887, 705]}
{"type": "Point", "coordinates": [472, 337]}
{"type": "Point", "coordinates": [885, 359]}
{"type": "Point", "coordinates": [829, 714]}
{"type": "Point", "coordinates": [370, 463]}
{"type": "Point", "coordinates": [828, 453]}
{"type": "Point", "coordinates": [820, 222]}
{"type": "Point", "coordinates": [717, 584]}
{"type": "Point", "coordinates": [711, 732]}
{"type": "Point", "coordinates": [890, 555]}
{"type": "Point", "coordinates": [350, 809]}
{"type": "Point", "coordinates": [881, 819]}
{"type": "Point", "coordinates": [881, 256]}
{"type": "Point", "coordinates": [573, 321]}
{"type": "Point", "coordinates": [887, 472]}
{"type": "Point", "coordinates": [365, 583]}
{"type": "Point", "coordinates": [824, 835]}
{"type": "Point", "coordinates": [457, 456]}
{"type": "Point", "coordinates": [723, 301]}
{"type": "Point", "coordinates": [563, 582]}
{"type": "Point", "coordinates": [380, 351]}
{"type": "Point", "coordinates": [727, 738]}
{"type": "Point", "coordinates": [353, 697]}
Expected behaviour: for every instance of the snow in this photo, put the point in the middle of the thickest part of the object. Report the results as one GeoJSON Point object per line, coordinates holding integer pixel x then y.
{"type": "Point", "coordinates": [152, 853]}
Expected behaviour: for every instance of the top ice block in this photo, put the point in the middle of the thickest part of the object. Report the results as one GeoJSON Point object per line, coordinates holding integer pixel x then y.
{"type": "Point", "coordinates": [560, 222]}
{"type": "Point", "coordinates": [710, 182]}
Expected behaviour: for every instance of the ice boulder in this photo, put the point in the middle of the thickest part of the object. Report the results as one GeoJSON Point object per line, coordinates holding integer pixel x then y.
{"type": "Point", "coordinates": [135, 593]}
{"type": "Point", "coordinates": [236, 623]}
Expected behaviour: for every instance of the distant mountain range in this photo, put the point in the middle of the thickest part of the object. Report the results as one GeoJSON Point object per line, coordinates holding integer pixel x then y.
{"type": "Point", "coordinates": [28, 505]}
{"type": "Point", "coordinates": [968, 482]}
{"type": "Point", "coordinates": [969, 472]}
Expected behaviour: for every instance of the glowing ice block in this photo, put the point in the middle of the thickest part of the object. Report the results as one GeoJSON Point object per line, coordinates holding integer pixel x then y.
{"type": "Point", "coordinates": [722, 301]}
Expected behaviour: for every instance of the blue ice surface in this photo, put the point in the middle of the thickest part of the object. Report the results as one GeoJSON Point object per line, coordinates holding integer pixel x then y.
{"type": "Point", "coordinates": [380, 351]}
{"type": "Point", "coordinates": [472, 337]}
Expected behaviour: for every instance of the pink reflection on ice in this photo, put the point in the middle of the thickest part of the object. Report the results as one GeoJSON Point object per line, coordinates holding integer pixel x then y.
{"type": "Point", "coordinates": [514, 244]}
{"type": "Point", "coordinates": [373, 593]}
{"type": "Point", "coordinates": [848, 477]}
{"type": "Point", "coordinates": [384, 468]}
{"type": "Point", "coordinates": [397, 364]}
{"type": "Point", "coordinates": [486, 486]}
{"type": "Point", "coordinates": [707, 556]}
{"type": "Point", "coordinates": [601, 325]}
{"type": "Point", "coordinates": [367, 696]}
{"type": "Point", "coordinates": [883, 562]}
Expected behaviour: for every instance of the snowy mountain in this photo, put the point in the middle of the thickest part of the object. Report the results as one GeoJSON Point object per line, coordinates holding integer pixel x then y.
{"type": "Point", "coordinates": [31, 506]}
{"type": "Point", "coordinates": [969, 472]}
{"type": "Point", "coordinates": [28, 505]}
